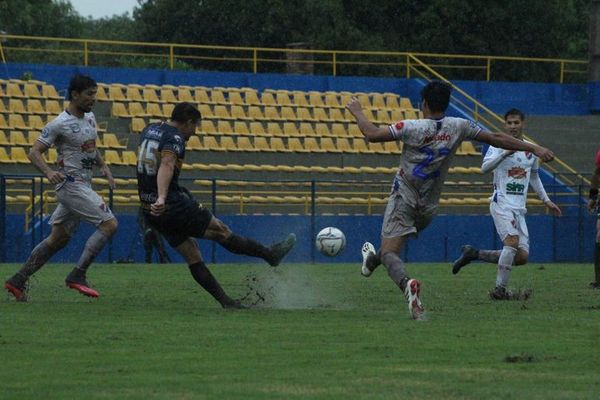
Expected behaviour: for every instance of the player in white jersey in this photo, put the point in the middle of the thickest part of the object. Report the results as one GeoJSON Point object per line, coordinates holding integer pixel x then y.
{"type": "Point", "coordinates": [514, 172]}
{"type": "Point", "coordinates": [429, 145]}
{"type": "Point", "coordinates": [74, 135]}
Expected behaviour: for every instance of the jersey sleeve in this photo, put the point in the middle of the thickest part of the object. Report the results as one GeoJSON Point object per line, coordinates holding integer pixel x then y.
{"type": "Point", "coordinates": [470, 130]}
{"type": "Point", "coordinates": [405, 131]}
{"type": "Point", "coordinates": [172, 144]}
{"type": "Point", "coordinates": [598, 159]}
{"type": "Point", "coordinates": [50, 133]}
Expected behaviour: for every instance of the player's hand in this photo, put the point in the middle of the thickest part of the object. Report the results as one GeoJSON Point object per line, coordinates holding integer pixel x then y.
{"type": "Point", "coordinates": [158, 207]}
{"type": "Point", "coordinates": [108, 175]}
{"type": "Point", "coordinates": [592, 205]}
{"type": "Point", "coordinates": [354, 106]}
{"type": "Point", "coordinates": [544, 154]}
{"type": "Point", "coordinates": [55, 177]}
{"type": "Point", "coordinates": [554, 209]}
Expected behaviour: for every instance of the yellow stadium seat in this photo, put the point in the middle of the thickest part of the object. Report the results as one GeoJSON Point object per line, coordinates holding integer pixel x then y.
{"type": "Point", "coordinates": [137, 110]}
{"type": "Point", "coordinates": [360, 145]}
{"type": "Point", "coordinates": [339, 130]}
{"type": "Point", "coordinates": [3, 139]}
{"type": "Point", "coordinates": [299, 99]}
{"type": "Point", "coordinates": [194, 143]}
{"type": "Point", "coordinates": [119, 110]}
{"type": "Point", "coordinates": [152, 110]}
{"type": "Point", "coordinates": [224, 128]}
{"type": "Point", "coordinates": [115, 92]}
{"type": "Point", "coordinates": [255, 113]}
{"type": "Point", "coordinates": [167, 109]}
{"type": "Point", "coordinates": [306, 129]}
{"type": "Point", "coordinates": [321, 115]}
{"type": "Point", "coordinates": [228, 144]}
{"type": "Point", "coordinates": [377, 100]}
{"type": "Point", "coordinates": [101, 93]}
{"type": "Point", "coordinates": [261, 144]}
{"type": "Point", "coordinates": [257, 128]}
{"type": "Point", "coordinates": [149, 94]}
{"type": "Point", "coordinates": [391, 100]}
{"type": "Point", "coordinates": [290, 129]}
{"type": "Point", "coordinates": [240, 128]}
{"type": "Point", "coordinates": [217, 96]}
{"type": "Point", "coordinates": [315, 99]}
{"type": "Point", "coordinates": [274, 129]}
{"type": "Point", "coordinates": [137, 125]}
{"type": "Point", "coordinates": [208, 127]}
{"type": "Point", "coordinates": [391, 147]}
{"type": "Point", "coordinates": [167, 95]}
{"type": "Point", "coordinates": [237, 112]}
{"type": "Point", "coordinates": [184, 94]}
{"type": "Point", "coordinates": [32, 137]}
{"type": "Point", "coordinates": [16, 106]}
{"type": "Point", "coordinates": [383, 117]}
{"type": "Point", "coordinates": [331, 99]}
{"type": "Point", "coordinates": [18, 139]}
{"type": "Point", "coordinates": [272, 114]}
{"type": "Point", "coordinates": [31, 90]}
{"type": "Point", "coordinates": [312, 145]}
{"type": "Point", "coordinates": [112, 157]}
{"type": "Point", "coordinates": [303, 114]}
{"type": "Point", "coordinates": [206, 111]}
{"type": "Point", "coordinates": [278, 145]}
{"type": "Point", "coordinates": [344, 145]}
{"type": "Point", "coordinates": [5, 158]}
{"type": "Point", "coordinates": [19, 155]}
{"type": "Point", "coordinates": [133, 93]}
{"type": "Point", "coordinates": [251, 97]}
{"type": "Point", "coordinates": [13, 90]}
{"type": "Point", "coordinates": [282, 97]}
{"type": "Point", "coordinates": [405, 103]}
{"type": "Point", "coordinates": [221, 112]}
{"type": "Point", "coordinates": [49, 92]}
{"type": "Point", "coordinates": [201, 96]}
{"type": "Point", "coordinates": [267, 99]}
{"type": "Point", "coordinates": [329, 146]}
{"type": "Point", "coordinates": [16, 122]}
{"type": "Point", "coordinates": [244, 144]}
{"type": "Point", "coordinates": [110, 140]}
{"type": "Point", "coordinates": [35, 122]}
{"type": "Point", "coordinates": [336, 114]}
{"type": "Point", "coordinates": [51, 156]}
{"type": "Point", "coordinates": [53, 107]}
{"type": "Point", "coordinates": [211, 143]}
{"type": "Point", "coordinates": [235, 98]}
{"type": "Point", "coordinates": [3, 123]}
{"type": "Point", "coordinates": [34, 106]}
{"type": "Point", "coordinates": [294, 144]}
{"type": "Point", "coordinates": [129, 158]}
{"type": "Point", "coordinates": [364, 100]}
{"type": "Point", "coordinates": [322, 130]}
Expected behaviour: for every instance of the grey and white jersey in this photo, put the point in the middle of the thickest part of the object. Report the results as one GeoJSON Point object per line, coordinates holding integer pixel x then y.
{"type": "Point", "coordinates": [429, 146]}
{"type": "Point", "coordinates": [75, 142]}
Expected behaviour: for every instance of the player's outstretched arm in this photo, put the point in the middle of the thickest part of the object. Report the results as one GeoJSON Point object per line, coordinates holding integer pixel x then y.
{"type": "Point", "coordinates": [371, 132]}
{"type": "Point", "coordinates": [35, 155]}
{"type": "Point", "coordinates": [507, 142]}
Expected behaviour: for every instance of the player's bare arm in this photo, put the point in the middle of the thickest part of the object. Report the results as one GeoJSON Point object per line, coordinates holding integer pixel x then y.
{"type": "Point", "coordinates": [35, 155]}
{"type": "Point", "coordinates": [371, 132]}
{"type": "Point", "coordinates": [105, 170]}
{"type": "Point", "coordinates": [163, 179]}
{"type": "Point", "coordinates": [594, 186]}
{"type": "Point", "coordinates": [507, 142]}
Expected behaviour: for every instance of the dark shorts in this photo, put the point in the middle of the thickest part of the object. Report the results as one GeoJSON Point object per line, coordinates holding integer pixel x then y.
{"type": "Point", "coordinates": [180, 221]}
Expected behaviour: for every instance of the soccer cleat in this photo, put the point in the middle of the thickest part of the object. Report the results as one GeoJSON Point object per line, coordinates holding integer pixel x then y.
{"type": "Point", "coordinates": [501, 293]}
{"type": "Point", "coordinates": [16, 289]}
{"type": "Point", "coordinates": [594, 285]}
{"type": "Point", "coordinates": [279, 250]}
{"type": "Point", "coordinates": [412, 291]}
{"type": "Point", "coordinates": [368, 250]}
{"type": "Point", "coordinates": [76, 280]}
{"type": "Point", "coordinates": [469, 253]}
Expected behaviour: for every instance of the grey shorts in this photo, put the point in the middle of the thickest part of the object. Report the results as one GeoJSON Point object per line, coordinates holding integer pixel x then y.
{"type": "Point", "coordinates": [402, 217]}
{"type": "Point", "coordinates": [77, 201]}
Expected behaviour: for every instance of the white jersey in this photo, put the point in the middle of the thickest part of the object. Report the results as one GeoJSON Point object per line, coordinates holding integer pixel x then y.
{"type": "Point", "coordinates": [75, 142]}
{"type": "Point", "coordinates": [512, 175]}
{"type": "Point", "coordinates": [429, 146]}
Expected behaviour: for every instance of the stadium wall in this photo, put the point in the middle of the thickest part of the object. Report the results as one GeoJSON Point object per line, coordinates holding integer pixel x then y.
{"type": "Point", "coordinates": [532, 98]}
{"type": "Point", "coordinates": [569, 238]}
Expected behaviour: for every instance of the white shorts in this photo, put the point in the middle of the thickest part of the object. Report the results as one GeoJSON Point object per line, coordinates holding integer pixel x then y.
{"type": "Point", "coordinates": [510, 223]}
{"type": "Point", "coordinates": [77, 201]}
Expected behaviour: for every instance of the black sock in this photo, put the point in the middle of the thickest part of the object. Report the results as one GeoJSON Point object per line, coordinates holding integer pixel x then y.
{"type": "Point", "coordinates": [374, 261]}
{"type": "Point", "coordinates": [241, 245]}
{"type": "Point", "coordinates": [203, 276]}
{"type": "Point", "coordinates": [597, 262]}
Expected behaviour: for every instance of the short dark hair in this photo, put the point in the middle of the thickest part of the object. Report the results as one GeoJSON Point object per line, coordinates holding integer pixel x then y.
{"type": "Point", "coordinates": [79, 83]}
{"type": "Point", "coordinates": [514, 111]}
{"type": "Point", "coordinates": [184, 112]}
{"type": "Point", "coordinates": [437, 95]}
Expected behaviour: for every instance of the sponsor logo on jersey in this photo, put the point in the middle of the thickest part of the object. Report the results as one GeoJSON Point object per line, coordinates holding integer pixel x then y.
{"type": "Point", "coordinates": [91, 122]}
{"type": "Point", "coordinates": [399, 125]}
{"type": "Point", "coordinates": [45, 132]}
{"type": "Point", "coordinates": [75, 128]}
{"type": "Point", "coordinates": [517, 173]}
{"type": "Point", "coordinates": [88, 146]}
{"type": "Point", "coordinates": [439, 137]}
{"type": "Point", "coordinates": [515, 188]}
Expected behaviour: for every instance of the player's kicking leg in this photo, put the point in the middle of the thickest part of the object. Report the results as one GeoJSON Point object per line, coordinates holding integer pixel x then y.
{"type": "Point", "coordinates": [370, 259]}
{"type": "Point", "coordinates": [468, 254]}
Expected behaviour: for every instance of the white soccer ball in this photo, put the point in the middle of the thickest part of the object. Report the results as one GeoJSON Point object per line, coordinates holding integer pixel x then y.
{"type": "Point", "coordinates": [330, 241]}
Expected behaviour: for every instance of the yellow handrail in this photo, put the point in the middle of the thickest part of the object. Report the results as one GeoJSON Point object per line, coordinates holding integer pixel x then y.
{"type": "Point", "coordinates": [171, 51]}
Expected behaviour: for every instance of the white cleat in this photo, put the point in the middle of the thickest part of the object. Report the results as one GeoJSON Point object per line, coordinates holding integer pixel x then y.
{"type": "Point", "coordinates": [367, 250]}
{"type": "Point", "coordinates": [412, 291]}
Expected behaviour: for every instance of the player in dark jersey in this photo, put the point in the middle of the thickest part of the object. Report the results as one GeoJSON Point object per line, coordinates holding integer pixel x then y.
{"type": "Point", "coordinates": [594, 206]}
{"type": "Point", "coordinates": [172, 210]}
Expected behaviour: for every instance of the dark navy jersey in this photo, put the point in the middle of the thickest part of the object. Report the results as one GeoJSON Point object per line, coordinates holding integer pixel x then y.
{"type": "Point", "coordinates": [155, 141]}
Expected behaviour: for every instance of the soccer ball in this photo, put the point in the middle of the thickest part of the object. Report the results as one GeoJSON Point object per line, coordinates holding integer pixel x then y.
{"type": "Point", "coordinates": [330, 241]}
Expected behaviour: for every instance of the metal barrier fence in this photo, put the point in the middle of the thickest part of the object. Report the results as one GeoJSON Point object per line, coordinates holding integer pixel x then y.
{"type": "Point", "coordinates": [177, 56]}
{"type": "Point", "coordinates": [571, 198]}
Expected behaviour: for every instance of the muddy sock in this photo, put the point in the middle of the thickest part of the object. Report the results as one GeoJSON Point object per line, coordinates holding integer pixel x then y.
{"type": "Point", "coordinates": [93, 246]}
{"type": "Point", "coordinates": [505, 262]}
{"type": "Point", "coordinates": [491, 256]}
{"type": "Point", "coordinates": [39, 256]}
{"type": "Point", "coordinates": [395, 268]}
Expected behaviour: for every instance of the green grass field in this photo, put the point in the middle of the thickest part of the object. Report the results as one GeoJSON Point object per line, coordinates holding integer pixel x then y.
{"type": "Point", "coordinates": [322, 332]}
